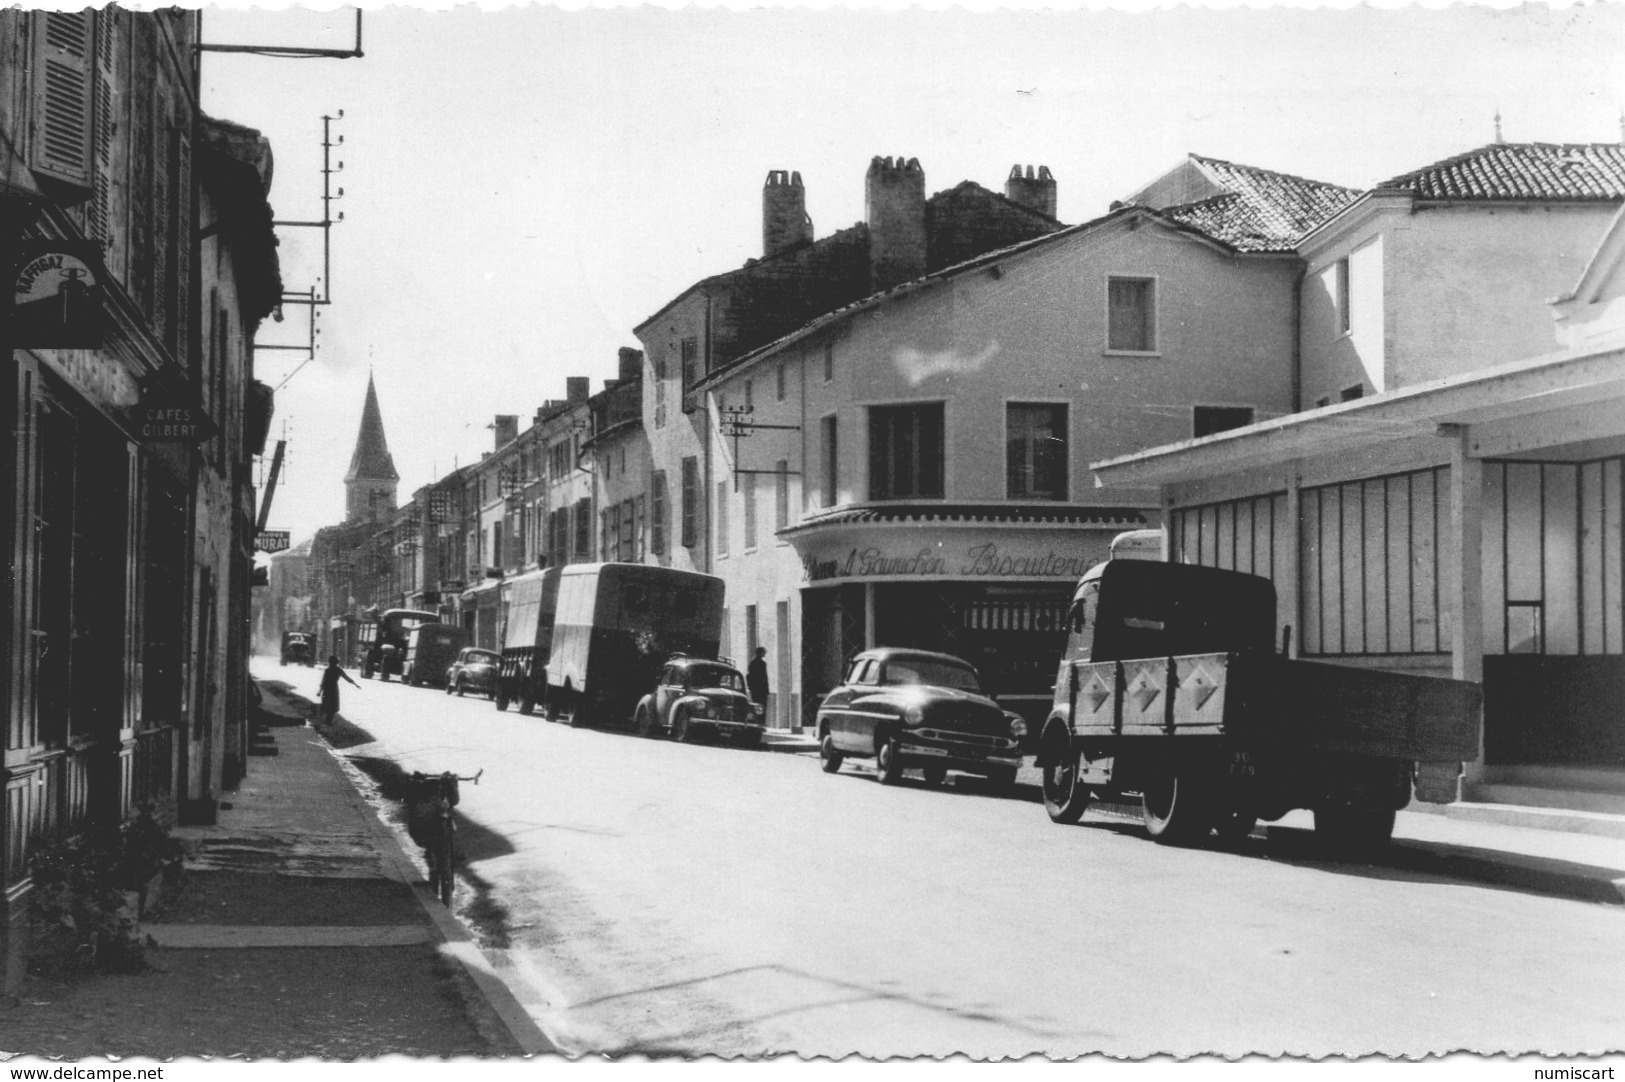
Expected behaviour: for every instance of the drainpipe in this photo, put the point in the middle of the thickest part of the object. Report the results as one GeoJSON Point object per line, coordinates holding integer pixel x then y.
{"type": "Point", "coordinates": [705, 472]}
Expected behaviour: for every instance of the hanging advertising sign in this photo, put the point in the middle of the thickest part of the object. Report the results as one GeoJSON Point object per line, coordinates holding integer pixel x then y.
{"type": "Point", "coordinates": [165, 416]}
{"type": "Point", "coordinates": [54, 295]}
{"type": "Point", "coordinates": [272, 540]}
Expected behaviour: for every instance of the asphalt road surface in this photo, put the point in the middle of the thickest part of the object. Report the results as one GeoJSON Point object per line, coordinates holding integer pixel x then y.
{"type": "Point", "coordinates": [662, 898]}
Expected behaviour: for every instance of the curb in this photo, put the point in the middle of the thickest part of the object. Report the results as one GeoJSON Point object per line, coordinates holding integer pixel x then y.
{"type": "Point", "coordinates": [460, 945]}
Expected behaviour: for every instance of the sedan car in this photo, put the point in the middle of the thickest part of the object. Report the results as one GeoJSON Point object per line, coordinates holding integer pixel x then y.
{"type": "Point", "coordinates": [473, 670]}
{"type": "Point", "coordinates": [918, 709]}
{"type": "Point", "coordinates": [700, 695]}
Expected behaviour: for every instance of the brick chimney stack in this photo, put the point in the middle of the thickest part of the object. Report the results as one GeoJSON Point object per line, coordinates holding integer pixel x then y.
{"type": "Point", "coordinates": [784, 213]}
{"type": "Point", "coordinates": [631, 364]}
{"type": "Point", "coordinates": [1035, 193]}
{"type": "Point", "coordinates": [894, 207]}
{"type": "Point", "coordinates": [506, 429]}
{"type": "Point", "coordinates": [577, 389]}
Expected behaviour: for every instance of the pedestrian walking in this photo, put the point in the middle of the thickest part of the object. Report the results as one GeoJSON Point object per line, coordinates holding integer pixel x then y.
{"type": "Point", "coordinates": [756, 678]}
{"type": "Point", "coordinates": [330, 686]}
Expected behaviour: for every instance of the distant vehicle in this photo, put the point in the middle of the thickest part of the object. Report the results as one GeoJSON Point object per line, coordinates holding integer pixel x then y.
{"type": "Point", "coordinates": [297, 649]}
{"type": "Point", "coordinates": [474, 670]}
{"type": "Point", "coordinates": [696, 696]}
{"type": "Point", "coordinates": [527, 641]}
{"type": "Point", "coordinates": [614, 627]}
{"type": "Point", "coordinates": [917, 708]}
{"type": "Point", "coordinates": [1170, 689]}
{"type": "Point", "coordinates": [384, 651]}
{"type": "Point", "coordinates": [1137, 545]}
{"type": "Point", "coordinates": [430, 648]}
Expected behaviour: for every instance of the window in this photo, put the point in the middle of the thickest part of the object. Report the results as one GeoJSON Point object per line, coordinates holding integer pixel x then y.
{"type": "Point", "coordinates": [659, 367]}
{"type": "Point", "coordinates": [691, 502]}
{"type": "Point", "coordinates": [583, 524]}
{"type": "Point", "coordinates": [905, 452]}
{"type": "Point", "coordinates": [752, 639]}
{"type": "Point", "coordinates": [778, 384]}
{"type": "Point", "coordinates": [829, 361]}
{"type": "Point", "coordinates": [1206, 420]}
{"type": "Point", "coordinates": [1131, 317]}
{"type": "Point", "coordinates": [1035, 451]}
{"type": "Point", "coordinates": [831, 471]}
{"type": "Point", "coordinates": [558, 460]}
{"type": "Point", "coordinates": [496, 544]}
{"type": "Point", "coordinates": [781, 510]}
{"type": "Point", "coordinates": [750, 510]}
{"type": "Point", "coordinates": [722, 518]}
{"type": "Point", "coordinates": [657, 513]}
{"type": "Point", "coordinates": [691, 371]}
{"type": "Point", "coordinates": [1340, 275]}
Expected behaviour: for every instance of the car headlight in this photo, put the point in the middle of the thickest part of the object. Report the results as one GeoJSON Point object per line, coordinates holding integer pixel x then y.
{"type": "Point", "coordinates": [1018, 728]}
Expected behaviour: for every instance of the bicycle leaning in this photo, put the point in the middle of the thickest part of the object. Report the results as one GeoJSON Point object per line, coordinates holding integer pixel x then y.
{"type": "Point", "coordinates": [430, 799]}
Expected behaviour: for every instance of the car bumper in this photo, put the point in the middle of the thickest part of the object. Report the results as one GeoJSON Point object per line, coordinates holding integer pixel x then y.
{"type": "Point", "coordinates": [731, 728]}
{"type": "Point", "coordinates": [973, 761]}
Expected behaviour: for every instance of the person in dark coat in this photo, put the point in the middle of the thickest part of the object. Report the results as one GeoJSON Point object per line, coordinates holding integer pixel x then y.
{"type": "Point", "coordinates": [330, 686]}
{"type": "Point", "coordinates": [756, 678]}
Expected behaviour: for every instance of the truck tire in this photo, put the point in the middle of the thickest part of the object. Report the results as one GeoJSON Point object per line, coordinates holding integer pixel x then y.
{"type": "Point", "coordinates": [888, 763]}
{"type": "Point", "coordinates": [527, 701]}
{"type": "Point", "coordinates": [1176, 806]}
{"type": "Point", "coordinates": [500, 696]}
{"type": "Point", "coordinates": [829, 760]}
{"type": "Point", "coordinates": [1353, 830]}
{"type": "Point", "coordinates": [1065, 797]}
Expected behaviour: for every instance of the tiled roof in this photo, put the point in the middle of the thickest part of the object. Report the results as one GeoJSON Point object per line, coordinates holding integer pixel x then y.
{"type": "Point", "coordinates": [1261, 210]}
{"type": "Point", "coordinates": [1011, 514]}
{"type": "Point", "coordinates": [1557, 171]}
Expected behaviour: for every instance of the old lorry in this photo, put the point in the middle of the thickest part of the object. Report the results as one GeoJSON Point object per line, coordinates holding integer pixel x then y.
{"type": "Point", "coordinates": [1171, 689]}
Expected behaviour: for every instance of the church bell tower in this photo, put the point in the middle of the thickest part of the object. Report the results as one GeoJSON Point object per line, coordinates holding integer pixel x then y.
{"type": "Point", "coordinates": [369, 485]}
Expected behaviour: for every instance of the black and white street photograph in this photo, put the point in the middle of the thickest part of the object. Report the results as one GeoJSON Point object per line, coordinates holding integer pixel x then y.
{"type": "Point", "coordinates": [773, 536]}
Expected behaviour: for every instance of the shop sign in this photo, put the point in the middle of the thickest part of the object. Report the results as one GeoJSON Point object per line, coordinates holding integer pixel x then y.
{"type": "Point", "coordinates": [451, 586]}
{"type": "Point", "coordinates": [272, 540]}
{"type": "Point", "coordinates": [980, 560]}
{"type": "Point", "coordinates": [165, 417]}
{"type": "Point", "coordinates": [55, 296]}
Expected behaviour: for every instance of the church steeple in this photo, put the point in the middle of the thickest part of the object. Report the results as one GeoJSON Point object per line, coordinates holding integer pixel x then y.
{"type": "Point", "coordinates": [370, 482]}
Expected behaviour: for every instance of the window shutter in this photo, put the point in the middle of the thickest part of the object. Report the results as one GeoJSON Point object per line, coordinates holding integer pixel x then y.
{"type": "Point", "coordinates": [105, 131]}
{"type": "Point", "coordinates": [62, 90]}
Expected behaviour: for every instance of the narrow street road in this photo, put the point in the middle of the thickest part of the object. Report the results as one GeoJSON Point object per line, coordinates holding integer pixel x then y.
{"type": "Point", "coordinates": [677, 898]}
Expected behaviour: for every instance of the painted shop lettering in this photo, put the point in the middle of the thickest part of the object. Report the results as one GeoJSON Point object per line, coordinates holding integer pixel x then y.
{"type": "Point", "coordinates": [980, 561]}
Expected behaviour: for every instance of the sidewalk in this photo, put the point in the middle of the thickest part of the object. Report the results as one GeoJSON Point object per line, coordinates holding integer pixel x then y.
{"type": "Point", "coordinates": [300, 928]}
{"type": "Point", "coordinates": [1573, 855]}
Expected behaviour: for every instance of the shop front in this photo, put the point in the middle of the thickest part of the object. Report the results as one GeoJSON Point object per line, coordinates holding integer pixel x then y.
{"type": "Point", "coordinates": [988, 584]}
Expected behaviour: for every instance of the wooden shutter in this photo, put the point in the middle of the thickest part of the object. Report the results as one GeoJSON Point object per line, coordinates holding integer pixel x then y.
{"type": "Point", "coordinates": [62, 95]}
{"type": "Point", "coordinates": [105, 131]}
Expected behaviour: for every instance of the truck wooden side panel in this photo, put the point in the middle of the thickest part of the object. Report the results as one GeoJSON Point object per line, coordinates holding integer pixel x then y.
{"type": "Point", "coordinates": [1262, 699]}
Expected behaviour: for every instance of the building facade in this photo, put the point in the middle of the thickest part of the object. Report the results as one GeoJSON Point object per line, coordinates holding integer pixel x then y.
{"type": "Point", "coordinates": [140, 242]}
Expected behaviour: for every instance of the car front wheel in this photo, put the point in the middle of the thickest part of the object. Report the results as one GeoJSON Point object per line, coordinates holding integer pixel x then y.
{"type": "Point", "coordinates": [888, 761]}
{"type": "Point", "coordinates": [681, 731]}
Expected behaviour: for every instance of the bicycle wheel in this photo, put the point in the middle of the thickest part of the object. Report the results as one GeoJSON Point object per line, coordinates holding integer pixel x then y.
{"type": "Point", "coordinates": [443, 847]}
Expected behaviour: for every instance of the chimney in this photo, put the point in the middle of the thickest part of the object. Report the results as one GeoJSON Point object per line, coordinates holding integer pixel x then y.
{"type": "Point", "coordinates": [784, 213]}
{"type": "Point", "coordinates": [507, 429]}
{"type": "Point", "coordinates": [894, 206]}
{"type": "Point", "coordinates": [576, 389]}
{"type": "Point", "coordinates": [1035, 193]}
{"type": "Point", "coordinates": [631, 364]}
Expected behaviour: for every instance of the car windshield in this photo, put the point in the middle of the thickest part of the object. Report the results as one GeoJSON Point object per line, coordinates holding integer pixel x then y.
{"type": "Point", "coordinates": [475, 657]}
{"type": "Point", "coordinates": [920, 670]}
{"type": "Point", "coordinates": [715, 676]}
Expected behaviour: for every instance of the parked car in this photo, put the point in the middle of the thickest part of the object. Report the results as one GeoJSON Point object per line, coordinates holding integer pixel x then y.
{"type": "Point", "coordinates": [297, 649]}
{"type": "Point", "coordinates": [697, 696]}
{"type": "Point", "coordinates": [918, 709]}
{"type": "Point", "coordinates": [473, 670]}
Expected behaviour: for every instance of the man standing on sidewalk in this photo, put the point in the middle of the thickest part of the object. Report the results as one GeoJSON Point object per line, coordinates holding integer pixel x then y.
{"type": "Point", "coordinates": [756, 679]}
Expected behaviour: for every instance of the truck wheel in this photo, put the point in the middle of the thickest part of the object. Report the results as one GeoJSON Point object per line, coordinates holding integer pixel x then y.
{"type": "Point", "coordinates": [829, 760]}
{"type": "Point", "coordinates": [527, 702]}
{"type": "Point", "coordinates": [888, 764]}
{"type": "Point", "coordinates": [1350, 830]}
{"type": "Point", "coordinates": [1065, 798]}
{"type": "Point", "coordinates": [501, 697]}
{"type": "Point", "coordinates": [1175, 807]}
